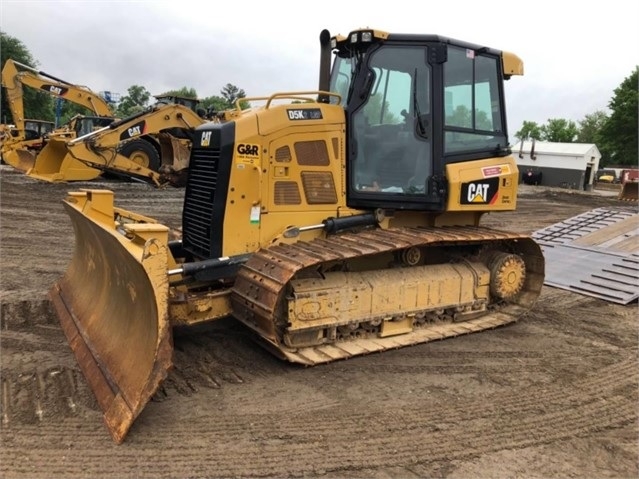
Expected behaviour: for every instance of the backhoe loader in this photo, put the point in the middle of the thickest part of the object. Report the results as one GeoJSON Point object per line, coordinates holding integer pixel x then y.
{"type": "Point", "coordinates": [152, 145]}
{"type": "Point", "coordinates": [332, 223]}
{"type": "Point", "coordinates": [25, 138]}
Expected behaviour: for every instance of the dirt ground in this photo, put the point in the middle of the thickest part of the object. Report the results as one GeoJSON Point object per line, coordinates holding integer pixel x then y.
{"type": "Point", "coordinates": [553, 395]}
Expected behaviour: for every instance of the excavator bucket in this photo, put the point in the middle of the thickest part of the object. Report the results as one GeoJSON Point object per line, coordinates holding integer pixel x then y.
{"type": "Point", "coordinates": [19, 158]}
{"type": "Point", "coordinates": [629, 191]}
{"type": "Point", "coordinates": [112, 303]}
{"type": "Point", "coordinates": [56, 163]}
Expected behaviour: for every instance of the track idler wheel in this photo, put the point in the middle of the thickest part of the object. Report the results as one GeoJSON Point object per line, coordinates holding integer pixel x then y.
{"type": "Point", "coordinates": [507, 275]}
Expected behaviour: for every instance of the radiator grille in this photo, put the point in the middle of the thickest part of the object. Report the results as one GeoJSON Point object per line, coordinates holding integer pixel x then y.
{"type": "Point", "coordinates": [197, 216]}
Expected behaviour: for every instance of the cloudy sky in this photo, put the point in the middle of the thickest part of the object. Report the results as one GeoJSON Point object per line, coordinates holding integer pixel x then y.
{"type": "Point", "coordinates": [575, 53]}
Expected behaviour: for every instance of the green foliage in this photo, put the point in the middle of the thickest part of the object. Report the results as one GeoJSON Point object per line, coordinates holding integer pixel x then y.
{"type": "Point", "coordinates": [590, 127]}
{"type": "Point", "coordinates": [462, 117]}
{"type": "Point", "coordinates": [136, 101]}
{"type": "Point", "coordinates": [556, 130]}
{"type": "Point", "coordinates": [590, 132]}
{"type": "Point", "coordinates": [618, 136]}
{"type": "Point", "coordinates": [69, 109]}
{"type": "Point", "coordinates": [231, 94]}
{"type": "Point", "coordinates": [215, 103]}
{"type": "Point", "coordinates": [184, 92]}
{"type": "Point", "coordinates": [559, 130]}
{"type": "Point", "coordinates": [530, 130]}
{"type": "Point", "coordinates": [375, 115]}
{"type": "Point", "coordinates": [37, 105]}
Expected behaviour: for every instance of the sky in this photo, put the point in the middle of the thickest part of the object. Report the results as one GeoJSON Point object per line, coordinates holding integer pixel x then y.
{"type": "Point", "coordinates": [575, 53]}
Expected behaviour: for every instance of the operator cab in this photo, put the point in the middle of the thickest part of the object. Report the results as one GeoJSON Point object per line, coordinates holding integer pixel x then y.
{"type": "Point", "coordinates": [413, 104]}
{"type": "Point", "coordinates": [190, 103]}
{"type": "Point", "coordinates": [88, 124]}
{"type": "Point", "coordinates": [34, 129]}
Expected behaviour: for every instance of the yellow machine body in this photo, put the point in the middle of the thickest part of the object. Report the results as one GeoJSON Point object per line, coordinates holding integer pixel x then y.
{"type": "Point", "coordinates": [278, 235]}
{"type": "Point", "coordinates": [20, 148]}
{"type": "Point", "coordinates": [142, 146]}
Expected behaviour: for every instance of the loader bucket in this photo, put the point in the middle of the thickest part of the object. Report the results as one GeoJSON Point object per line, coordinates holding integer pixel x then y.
{"type": "Point", "coordinates": [56, 163]}
{"type": "Point", "coordinates": [629, 191]}
{"type": "Point", "coordinates": [20, 158]}
{"type": "Point", "coordinates": [112, 305]}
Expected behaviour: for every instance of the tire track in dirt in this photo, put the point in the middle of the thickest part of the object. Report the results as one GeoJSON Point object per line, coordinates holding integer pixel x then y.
{"type": "Point", "coordinates": [440, 430]}
{"type": "Point", "coordinates": [568, 371]}
{"type": "Point", "coordinates": [287, 443]}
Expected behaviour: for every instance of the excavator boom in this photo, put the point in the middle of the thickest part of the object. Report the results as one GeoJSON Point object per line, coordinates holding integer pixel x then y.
{"type": "Point", "coordinates": [152, 145]}
{"type": "Point", "coordinates": [17, 149]}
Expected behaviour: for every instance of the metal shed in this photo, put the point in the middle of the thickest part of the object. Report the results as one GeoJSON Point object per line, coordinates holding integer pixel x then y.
{"type": "Point", "coordinates": [567, 165]}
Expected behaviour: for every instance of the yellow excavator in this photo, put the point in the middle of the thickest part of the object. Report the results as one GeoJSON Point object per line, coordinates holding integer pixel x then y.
{"type": "Point", "coordinates": [26, 137]}
{"type": "Point", "coordinates": [332, 223]}
{"type": "Point", "coordinates": [152, 145]}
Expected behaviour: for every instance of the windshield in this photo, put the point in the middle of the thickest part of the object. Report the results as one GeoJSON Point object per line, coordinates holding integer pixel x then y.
{"type": "Point", "coordinates": [392, 128]}
{"type": "Point", "coordinates": [473, 117]}
{"type": "Point", "coordinates": [341, 79]}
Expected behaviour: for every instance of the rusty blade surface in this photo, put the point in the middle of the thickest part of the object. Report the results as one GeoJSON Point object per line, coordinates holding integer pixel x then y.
{"type": "Point", "coordinates": [112, 305]}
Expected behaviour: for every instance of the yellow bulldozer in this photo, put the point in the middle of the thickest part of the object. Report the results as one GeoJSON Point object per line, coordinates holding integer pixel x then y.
{"type": "Point", "coordinates": [26, 137]}
{"type": "Point", "coordinates": [152, 145]}
{"type": "Point", "coordinates": [332, 223]}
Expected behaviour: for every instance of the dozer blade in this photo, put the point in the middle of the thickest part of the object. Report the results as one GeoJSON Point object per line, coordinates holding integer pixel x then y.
{"type": "Point", "coordinates": [112, 305]}
{"type": "Point", "coordinates": [56, 163]}
{"type": "Point", "coordinates": [20, 159]}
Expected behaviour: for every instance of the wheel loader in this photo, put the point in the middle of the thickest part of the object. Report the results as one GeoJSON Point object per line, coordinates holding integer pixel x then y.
{"type": "Point", "coordinates": [152, 145]}
{"type": "Point", "coordinates": [332, 223]}
{"type": "Point", "coordinates": [26, 137]}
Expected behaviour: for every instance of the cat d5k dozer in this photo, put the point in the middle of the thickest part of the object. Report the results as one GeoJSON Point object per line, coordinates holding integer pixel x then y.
{"type": "Point", "coordinates": [332, 223]}
{"type": "Point", "coordinates": [152, 145]}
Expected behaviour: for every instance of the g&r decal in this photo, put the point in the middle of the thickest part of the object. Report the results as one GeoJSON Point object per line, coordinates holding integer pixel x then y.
{"type": "Point", "coordinates": [247, 153]}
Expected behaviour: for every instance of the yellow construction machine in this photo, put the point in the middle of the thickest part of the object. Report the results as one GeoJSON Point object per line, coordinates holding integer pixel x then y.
{"type": "Point", "coordinates": [629, 185]}
{"type": "Point", "coordinates": [26, 136]}
{"type": "Point", "coordinates": [332, 223]}
{"type": "Point", "coordinates": [152, 145]}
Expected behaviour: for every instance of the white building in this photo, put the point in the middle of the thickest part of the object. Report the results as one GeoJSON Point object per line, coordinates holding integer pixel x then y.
{"type": "Point", "coordinates": [568, 165]}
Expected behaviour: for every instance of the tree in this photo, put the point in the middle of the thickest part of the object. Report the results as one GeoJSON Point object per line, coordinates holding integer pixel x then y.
{"type": "Point", "coordinates": [559, 130]}
{"type": "Point", "coordinates": [529, 131]}
{"type": "Point", "coordinates": [590, 127]}
{"type": "Point", "coordinates": [184, 92]}
{"type": "Point", "coordinates": [231, 94]}
{"type": "Point", "coordinates": [590, 132]}
{"type": "Point", "coordinates": [37, 105]}
{"type": "Point", "coordinates": [215, 103]}
{"type": "Point", "coordinates": [619, 134]}
{"type": "Point", "coordinates": [376, 115]}
{"type": "Point", "coordinates": [136, 101]}
{"type": "Point", "coordinates": [68, 110]}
